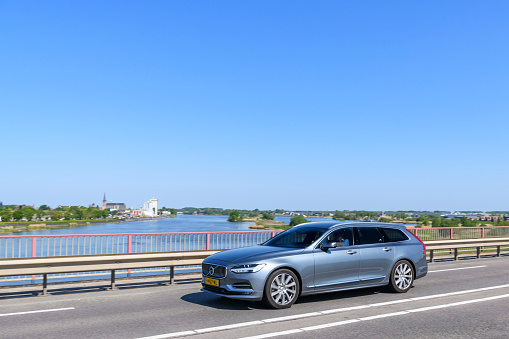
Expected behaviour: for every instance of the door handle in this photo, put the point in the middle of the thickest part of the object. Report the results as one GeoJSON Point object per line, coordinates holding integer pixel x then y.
{"type": "Point", "coordinates": [387, 249]}
{"type": "Point", "coordinates": [351, 252]}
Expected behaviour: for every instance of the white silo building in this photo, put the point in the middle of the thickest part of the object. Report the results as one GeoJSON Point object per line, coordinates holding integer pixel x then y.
{"type": "Point", "coordinates": [150, 208]}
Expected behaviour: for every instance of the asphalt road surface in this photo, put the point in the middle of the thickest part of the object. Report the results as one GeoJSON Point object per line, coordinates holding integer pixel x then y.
{"type": "Point", "coordinates": [463, 299]}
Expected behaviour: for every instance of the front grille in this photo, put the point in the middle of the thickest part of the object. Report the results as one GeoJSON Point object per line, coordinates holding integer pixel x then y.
{"type": "Point", "coordinates": [214, 271]}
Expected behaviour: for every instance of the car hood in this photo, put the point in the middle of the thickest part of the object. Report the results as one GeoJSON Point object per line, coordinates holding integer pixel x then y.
{"type": "Point", "coordinates": [252, 253]}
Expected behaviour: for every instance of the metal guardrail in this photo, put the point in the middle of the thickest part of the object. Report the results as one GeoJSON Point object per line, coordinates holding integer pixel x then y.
{"type": "Point", "coordinates": [455, 245]}
{"type": "Point", "coordinates": [451, 233]}
{"type": "Point", "coordinates": [113, 262]}
{"type": "Point", "coordinates": [110, 262]}
{"type": "Point", "coordinates": [34, 246]}
{"type": "Point", "coordinates": [25, 246]}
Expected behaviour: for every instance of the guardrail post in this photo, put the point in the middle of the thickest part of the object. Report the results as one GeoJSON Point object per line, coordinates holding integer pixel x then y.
{"type": "Point", "coordinates": [112, 286]}
{"type": "Point", "coordinates": [172, 277]}
{"type": "Point", "coordinates": [208, 242]}
{"type": "Point", "coordinates": [44, 286]}
{"type": "Point", "coordinates": [482, 236]}
{"type": "Point", "coordinates": [34, 253]}
{"type": "Point", "coordinates": [451, 236]}
{"type": "Point", "coordinates": [129, 249]}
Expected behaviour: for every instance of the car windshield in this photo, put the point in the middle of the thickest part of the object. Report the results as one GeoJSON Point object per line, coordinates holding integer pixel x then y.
{"type": "Point", "coordinates": [296, 237]}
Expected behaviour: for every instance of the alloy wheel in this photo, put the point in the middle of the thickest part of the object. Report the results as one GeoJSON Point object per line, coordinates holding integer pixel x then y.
{"type": "Point", "coordinates": [283, 289]}
{"type": "Point", "coordinates": [403, 276]}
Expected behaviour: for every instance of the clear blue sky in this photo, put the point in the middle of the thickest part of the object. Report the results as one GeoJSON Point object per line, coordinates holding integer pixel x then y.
{"type": "Point", "coordinates": [319, 105]}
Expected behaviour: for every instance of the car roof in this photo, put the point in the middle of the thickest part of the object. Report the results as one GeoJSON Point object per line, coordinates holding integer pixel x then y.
{"type": "Point", "coordinates": [334, 223]}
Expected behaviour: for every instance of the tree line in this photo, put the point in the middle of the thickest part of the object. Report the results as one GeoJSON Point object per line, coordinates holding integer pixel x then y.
{"type": "Point", "coordinates": [354, 215]}
{"type": "Point", "coordinates": [44, 212]}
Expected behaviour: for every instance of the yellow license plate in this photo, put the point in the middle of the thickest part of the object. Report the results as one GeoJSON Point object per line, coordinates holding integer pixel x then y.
{"type": "Point", "coordinates": [210, 281]}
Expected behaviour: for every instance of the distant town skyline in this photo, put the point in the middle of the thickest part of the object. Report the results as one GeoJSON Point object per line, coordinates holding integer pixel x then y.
{"type": "Point", "coordinates": [150, 204]}
{"type": "Point", "coordinates": [293, 105]}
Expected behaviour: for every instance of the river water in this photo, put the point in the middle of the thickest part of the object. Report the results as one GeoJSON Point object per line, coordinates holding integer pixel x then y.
{"type": "Point", "coordinates": [182, 223]}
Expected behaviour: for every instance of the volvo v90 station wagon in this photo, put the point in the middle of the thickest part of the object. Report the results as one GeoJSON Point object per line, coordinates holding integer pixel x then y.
{"type": "Point", "coordinates": [317, 257]}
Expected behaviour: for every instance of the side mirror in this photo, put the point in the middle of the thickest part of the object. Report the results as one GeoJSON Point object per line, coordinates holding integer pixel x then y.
{"type": "Point", "coordinates": [328, 244]}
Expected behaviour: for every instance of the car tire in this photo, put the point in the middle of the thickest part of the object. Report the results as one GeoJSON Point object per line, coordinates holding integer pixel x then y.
{"type": "Point", "coordinates": [281, 289]}
{"type": "Point", "coordinates": [402, 277]}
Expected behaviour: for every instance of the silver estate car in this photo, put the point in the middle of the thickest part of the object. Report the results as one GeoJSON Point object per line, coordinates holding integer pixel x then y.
{"type": "Point", "coordinates": [317, 257]}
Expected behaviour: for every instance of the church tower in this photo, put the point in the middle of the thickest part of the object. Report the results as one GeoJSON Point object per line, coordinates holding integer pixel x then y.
{"type": "Point", "coordinates": [104, 201]}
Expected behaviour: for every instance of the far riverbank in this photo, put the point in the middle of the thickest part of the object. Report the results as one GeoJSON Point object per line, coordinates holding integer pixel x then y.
{"type": "Point", "coordinates": [22, 227]}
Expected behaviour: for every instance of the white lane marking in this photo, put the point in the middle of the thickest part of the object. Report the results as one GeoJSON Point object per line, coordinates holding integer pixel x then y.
{"type": "Point", "coordinates": [38, 311]}
{"type": "Point", "coordinates": [385, 303]}
{"type": "Point", "coordinates": [434, 296]}
{"type": "Point", "coordinates": [460, 292]}
{"type": "Point", "coordinates": [172, 335]}
{"type": "Point", "coordinates": [353, 308]}
{"type": "Point", "coordinates": [385, 315]}
{"type": "Point", "coordinates": [339, 323]}
{"type": "Point", "coordinates": [276, 334]}
{"type": "Point", "coordinates": [457, 269]}
{"type": "Point", "coordinates": [314, 314]}
{"type": "Point", "coordinates": [291, 317]}
{"type": "Point", "coordinates": [228, 327]}
{"type": "Point", "coordinates": [422, 309]}
{"type": "Point", "coordinates": [379, 316]}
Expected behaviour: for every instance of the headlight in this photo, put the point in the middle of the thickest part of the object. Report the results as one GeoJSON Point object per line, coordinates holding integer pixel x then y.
{"type": "Point", "coordinates": [251, 268]}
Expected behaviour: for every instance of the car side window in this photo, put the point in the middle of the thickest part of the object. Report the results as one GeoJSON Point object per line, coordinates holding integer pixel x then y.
{"type": "Point", "coordinates": [369, 235]}
{"type": "Point", "coordinates": [342, 236]}
{"type": "Point", "coordinates": [393, 235]}
{"type": "Point", "coordinates": [300, 238]}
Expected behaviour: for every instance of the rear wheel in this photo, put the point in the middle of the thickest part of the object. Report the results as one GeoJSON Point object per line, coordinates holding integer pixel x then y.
{"type": "Point", "coordinates": [281, 289]}
{"type": "Point", "coordinates": [402, 277]}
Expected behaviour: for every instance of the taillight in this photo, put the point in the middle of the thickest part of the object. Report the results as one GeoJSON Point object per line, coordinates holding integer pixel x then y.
{"type": "Point", "coordinates": [423, 244]}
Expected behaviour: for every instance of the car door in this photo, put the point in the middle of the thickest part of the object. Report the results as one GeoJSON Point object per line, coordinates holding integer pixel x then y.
{"type": "Point", "coordinates": [337, 268]}
{"type": "Point", "coordinates": [376, 257]}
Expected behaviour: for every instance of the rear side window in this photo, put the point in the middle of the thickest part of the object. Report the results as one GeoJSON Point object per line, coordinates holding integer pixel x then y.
{"type": "Point", "coordinates": [369, 235]}
{"type": "Point", "coordinates": [393, 235]}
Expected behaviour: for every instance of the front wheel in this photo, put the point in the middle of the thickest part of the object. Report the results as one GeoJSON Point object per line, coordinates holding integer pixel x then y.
{"type": "Point", "coordinates": [281, 289]}
{"type": "Point", "coordinates": [402, 277]}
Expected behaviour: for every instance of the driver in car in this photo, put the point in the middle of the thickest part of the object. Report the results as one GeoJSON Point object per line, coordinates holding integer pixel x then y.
{"type": "Point", "coordinates": [341, 241]}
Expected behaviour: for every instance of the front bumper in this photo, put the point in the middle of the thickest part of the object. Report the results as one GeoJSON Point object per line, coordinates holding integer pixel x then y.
{"type": "Point", "coordinates": [241, 286]}
{"type": "Point", "coordinates": [233, 288]}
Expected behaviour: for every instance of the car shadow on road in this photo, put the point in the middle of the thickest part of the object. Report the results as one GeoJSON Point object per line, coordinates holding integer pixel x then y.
{"type": "Point", "coordinates": [223, 303]}
{"type": "Point", "coordinates": [343, 295]}
{"type": "Point", "coordinates": [220, 303]}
